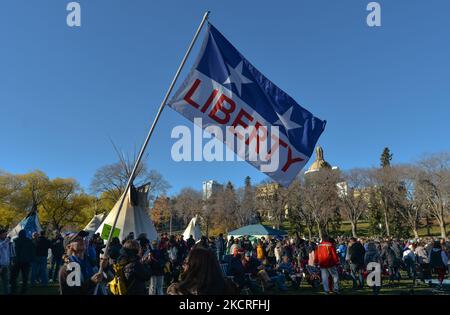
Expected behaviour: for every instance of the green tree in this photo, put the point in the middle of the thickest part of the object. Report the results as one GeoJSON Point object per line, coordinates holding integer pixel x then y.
{"type": "Point", "coordinates": [386, 158]}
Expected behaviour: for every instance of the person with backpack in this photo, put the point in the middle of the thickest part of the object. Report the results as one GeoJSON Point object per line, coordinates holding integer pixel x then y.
{"type": "Point", "coordinates": [130, 273]}
{"type": "Point", "coordinates": [327, 259]}
{"type": "Point", "coordinates": [356, 254]}
{"type": "Point", "coordinates": [438, 262]}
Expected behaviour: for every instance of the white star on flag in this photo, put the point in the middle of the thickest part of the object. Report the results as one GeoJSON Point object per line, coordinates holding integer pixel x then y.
{"type": "Point", "coordinates": [285, 120]}
{"type": "Point", "coordinates": [236, 77]}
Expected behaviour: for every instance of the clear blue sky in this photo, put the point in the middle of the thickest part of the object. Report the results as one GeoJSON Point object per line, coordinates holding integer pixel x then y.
{"type": "Point", "coordinates": [65, 92]}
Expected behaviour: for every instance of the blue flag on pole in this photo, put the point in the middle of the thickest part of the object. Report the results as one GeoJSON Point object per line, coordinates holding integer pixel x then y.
{"type": "Point", "coordinates": [226, 91]}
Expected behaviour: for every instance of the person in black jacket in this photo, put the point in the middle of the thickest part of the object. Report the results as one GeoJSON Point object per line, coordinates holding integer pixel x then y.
{"type": "Point", "coordinates": [114, 249]}
{"type": "Point", "coordinates": [356, 254]}
{"type": "Point", "coordinates": [57, 247]}
{"type": "Point", "coordinates": [190, 242]}
{"type": "Point", "coordinates": [42, 244]}
{"type": "Point", "coordinates": [23, 256]}
{"type": "Point", "coordinates": [136, 273]}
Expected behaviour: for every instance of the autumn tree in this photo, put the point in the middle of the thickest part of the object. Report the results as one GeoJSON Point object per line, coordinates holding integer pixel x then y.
{"type": "Point", "coordinates": [65, 204]}
{"type": "Point", "coordinates": [160, 212]}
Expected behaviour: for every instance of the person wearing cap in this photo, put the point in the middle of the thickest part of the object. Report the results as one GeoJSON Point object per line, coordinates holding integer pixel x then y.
{"type": "Point", "coordinates": [254, 268]}
{"type": "Point", "coordinates": [5, 260]}
{"type": "Point", "coordinates": [75, 254]}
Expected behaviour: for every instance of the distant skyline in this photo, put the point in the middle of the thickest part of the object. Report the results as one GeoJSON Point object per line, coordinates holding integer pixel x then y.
{"type": "Point", "coordinates": [65, 92]}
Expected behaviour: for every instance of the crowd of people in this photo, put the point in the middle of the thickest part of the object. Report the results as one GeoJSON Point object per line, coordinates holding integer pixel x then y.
{"type": "Point", "coordinates": [214, 265]}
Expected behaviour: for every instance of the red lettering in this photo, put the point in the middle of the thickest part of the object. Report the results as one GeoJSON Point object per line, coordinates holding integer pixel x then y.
{"type": "Point", "coordinates": [239, 121]}
{"type": "Point", "coordinates": [256, 134]}
{"type": "Point", "coordinates": [209, 101]}
{"type": "Point", "coordinates": [290, 160]}
{"type": "Point", "coordinates": [188, 96]}
{"type": "Point", "coordinates": [220, 106]}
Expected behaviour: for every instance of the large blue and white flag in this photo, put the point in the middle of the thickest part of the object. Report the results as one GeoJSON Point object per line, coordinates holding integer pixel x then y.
{"type": "Point", "coordinates": [224, 89]}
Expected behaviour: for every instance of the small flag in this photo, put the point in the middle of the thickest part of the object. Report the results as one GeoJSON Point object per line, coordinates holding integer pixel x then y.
{"type": "Point", "coordinates": [224, 89]}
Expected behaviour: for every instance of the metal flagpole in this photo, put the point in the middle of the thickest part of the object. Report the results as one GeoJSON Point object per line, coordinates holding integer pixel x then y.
{"type": "Point", "coordinates": [152, 128]}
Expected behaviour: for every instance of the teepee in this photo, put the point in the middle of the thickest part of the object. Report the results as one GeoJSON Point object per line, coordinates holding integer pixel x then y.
{"type": "Point", "coordinates": [94, 224]}
{"type": "Point", "coordinates": [193, 229]}
{"type": "Point", "coordinates": [133, 216]}
{"type": "Point", "coordinates": [30, 224]}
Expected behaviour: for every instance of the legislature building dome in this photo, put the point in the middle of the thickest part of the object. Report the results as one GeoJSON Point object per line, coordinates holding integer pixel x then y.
{"type": "Point", "coordinates": [320, 162]}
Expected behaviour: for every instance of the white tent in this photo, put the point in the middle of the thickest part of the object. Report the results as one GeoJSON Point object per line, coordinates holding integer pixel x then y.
{"type": "Point", "coordinates": [30, 224]}
{"type": "Point", "coordinates": [94, 224]}
{"type": "Point", "coordinates": [193, 229]}
{"type": "Point", "coordinates": [132, 218]}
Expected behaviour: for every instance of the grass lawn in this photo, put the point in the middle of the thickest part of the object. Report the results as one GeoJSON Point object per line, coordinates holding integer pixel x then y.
{"type": "Point", "coordinates": [405, 287]}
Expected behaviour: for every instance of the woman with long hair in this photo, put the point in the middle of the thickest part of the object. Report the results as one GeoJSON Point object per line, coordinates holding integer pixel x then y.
{"type": "Point", "coordinates": [202, 276]}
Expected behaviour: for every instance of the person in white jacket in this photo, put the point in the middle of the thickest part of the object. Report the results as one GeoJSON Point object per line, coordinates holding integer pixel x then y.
{"type": "Point", "coordinates": [5, 260]}
{"type": "Point", "coordinates": [409, 258]}
{"type": "Point", "coordinates": [278, 252]}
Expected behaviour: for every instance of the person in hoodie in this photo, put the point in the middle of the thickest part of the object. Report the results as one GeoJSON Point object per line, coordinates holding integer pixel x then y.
{"type": "Point", "coordinates": [135, 271]}
{"type": "Point", "coordinates": [372, 255]}
{"type": "Point", "coordinates": [5, 260]}
{"type": "Point", "coordinates": [438, 261]}
{"type": "Point", "coordinates": [24, 255]}
{"type": "Point", "coordinates": [327, 259]}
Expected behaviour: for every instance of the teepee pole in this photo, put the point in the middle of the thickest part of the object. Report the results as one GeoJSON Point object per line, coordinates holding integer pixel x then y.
{"type": "Point", "coordinates": [152, 128]}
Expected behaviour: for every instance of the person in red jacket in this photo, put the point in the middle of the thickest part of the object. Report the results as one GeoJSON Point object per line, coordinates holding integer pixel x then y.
{"type": "Point", "coordinates": [327, 259]}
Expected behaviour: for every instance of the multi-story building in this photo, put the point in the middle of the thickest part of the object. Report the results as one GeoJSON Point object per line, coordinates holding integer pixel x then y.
{"type": "Point", "coordinates": [210, 187]}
